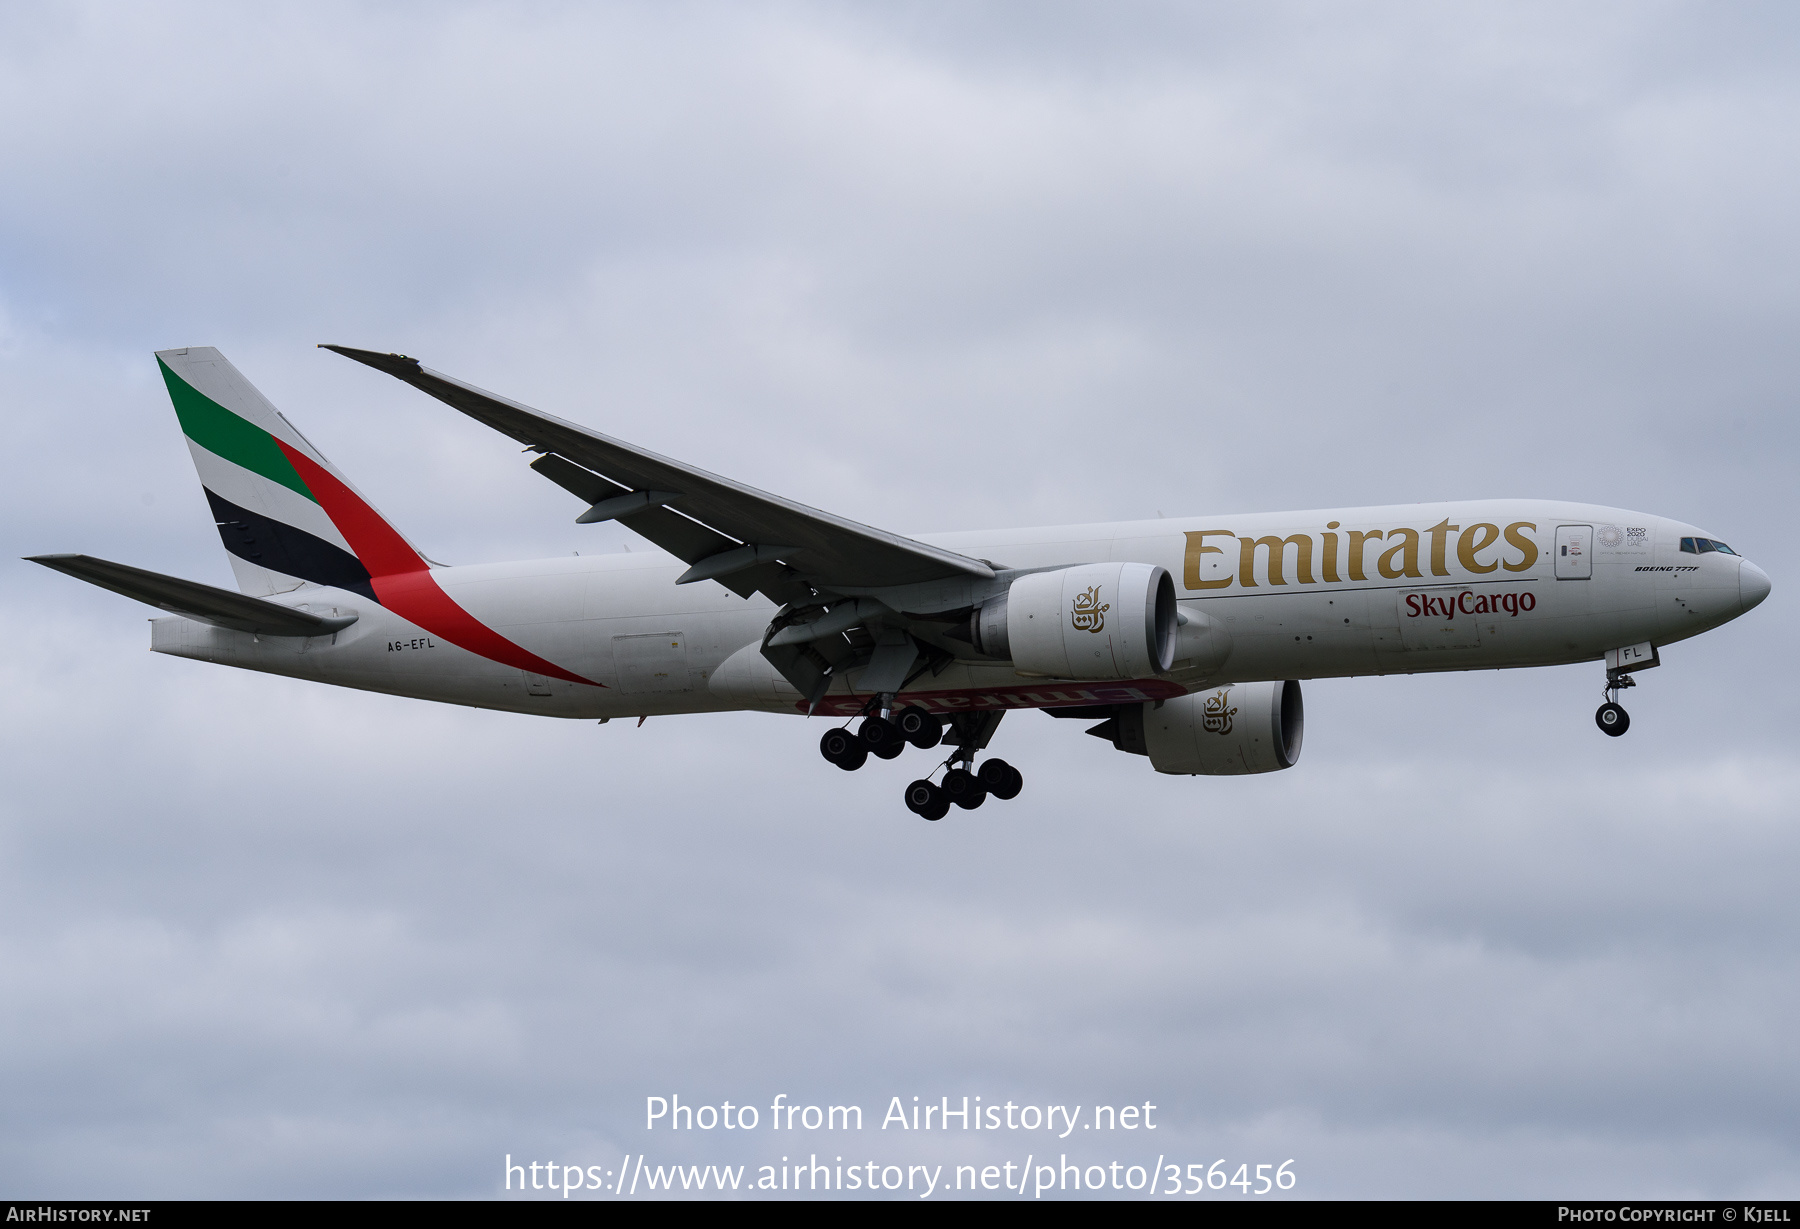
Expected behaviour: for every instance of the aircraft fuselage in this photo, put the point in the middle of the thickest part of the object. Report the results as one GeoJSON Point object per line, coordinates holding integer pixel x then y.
{"type": "Point", "coordinates": [1299, 595]}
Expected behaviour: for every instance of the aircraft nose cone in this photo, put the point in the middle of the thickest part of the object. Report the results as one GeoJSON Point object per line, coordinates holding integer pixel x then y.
{"type": "Point", "coordinates": [1753, 584]}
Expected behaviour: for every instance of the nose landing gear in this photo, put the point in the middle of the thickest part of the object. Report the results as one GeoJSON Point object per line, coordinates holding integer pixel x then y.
{"type": "Point", "coordinates": [1612, 719]}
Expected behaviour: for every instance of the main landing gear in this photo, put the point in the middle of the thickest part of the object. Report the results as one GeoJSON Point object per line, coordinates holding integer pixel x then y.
{"type": "Point", "coordinates": [963, 788]}
{"type": "Point", "coordinates": [887, 736]}
{"type": "Point", "coordinates": [881, 737]}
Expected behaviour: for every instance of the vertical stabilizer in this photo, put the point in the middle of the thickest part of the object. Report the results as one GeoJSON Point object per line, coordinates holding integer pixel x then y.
{"type": "Point", "coordinates": [288, 518]}
{"type": "Point", "coordinates": [285, 514]}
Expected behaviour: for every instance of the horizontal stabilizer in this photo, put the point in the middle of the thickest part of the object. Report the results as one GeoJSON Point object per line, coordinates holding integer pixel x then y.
{"type": "Point", "coordinates": [220, 607]}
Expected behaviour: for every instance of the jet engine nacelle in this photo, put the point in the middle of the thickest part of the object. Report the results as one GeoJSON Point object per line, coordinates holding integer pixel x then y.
{"type": "Point", "coordinates": [1226, 731]}
{"type": "Point", "coordinates": [1093, 621]}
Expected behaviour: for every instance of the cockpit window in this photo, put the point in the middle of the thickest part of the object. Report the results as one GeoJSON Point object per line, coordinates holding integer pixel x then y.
{"type": "Point", "coordinates": [1705, 544]}
{"type": "Point", "coordinates": [1688, 547]}
{"type": "Point", "coordinates": [1721, 547]}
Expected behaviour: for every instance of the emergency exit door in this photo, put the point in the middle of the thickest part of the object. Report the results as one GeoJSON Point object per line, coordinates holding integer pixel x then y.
{"type": "Point", "coordinates": [1574, 552]}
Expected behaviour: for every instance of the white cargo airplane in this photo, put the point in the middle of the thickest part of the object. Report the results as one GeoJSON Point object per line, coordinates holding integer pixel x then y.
{"type": "Point", "coordinates": [1182, 638]}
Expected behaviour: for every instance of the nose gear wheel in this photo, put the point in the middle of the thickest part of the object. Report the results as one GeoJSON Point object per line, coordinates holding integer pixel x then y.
{"type": "Point", "coordinates": [1611, 717]}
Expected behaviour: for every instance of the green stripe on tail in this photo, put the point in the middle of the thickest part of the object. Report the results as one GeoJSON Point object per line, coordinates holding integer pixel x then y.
{"type": "Point", "coordinates": [224, 434]}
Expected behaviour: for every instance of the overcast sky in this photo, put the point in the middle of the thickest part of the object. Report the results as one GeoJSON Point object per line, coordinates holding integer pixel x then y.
{"type": "Point", "coordinates": [931, 266]}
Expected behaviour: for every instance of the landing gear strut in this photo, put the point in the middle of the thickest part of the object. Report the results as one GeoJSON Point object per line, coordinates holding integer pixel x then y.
{"type": "Point", "coordinates": [963, 785]}
{"type": "Point", "coordinates": [1611, 717]}
{"type": "Point", "coordinates": [886, 733]}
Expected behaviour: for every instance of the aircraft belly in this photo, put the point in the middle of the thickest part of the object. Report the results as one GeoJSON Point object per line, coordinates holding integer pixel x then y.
{"type": "Point", "coordinates": [389, 654]}
{"type": "Point", "coordinates": [1297, 635]}
{"type": "Point", "coordinates": [1427, 627]}
{"type": "Point", "coordinates": [542, 614]}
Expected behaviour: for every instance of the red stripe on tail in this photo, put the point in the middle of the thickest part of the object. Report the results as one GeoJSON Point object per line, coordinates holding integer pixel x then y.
{"type": "Point", "coordinates": [403, 581]}
{"type": "Point", "coordinates": [416, 596]}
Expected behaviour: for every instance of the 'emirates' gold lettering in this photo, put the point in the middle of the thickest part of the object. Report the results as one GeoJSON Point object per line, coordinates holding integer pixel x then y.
{"type": "Point", "coordinates": [1407, 549]}
{"type": "Point", "coordinates": [1474, 540]}
{"type": "Point", "coordinates": [1197, 547]}
{"type": "Point", "coordinates": [1526, 546]}
{"type": "Point", "coordinates": [1357, 538]}
{"type": "Point", "coordinates": [1302, 543]}
{"type": "Point", "coordinates": [1398, 554]}
{"type": "Point", "coordinates": [1438, 533]}
{"type": "Point", "coordinates": [1329, 562]}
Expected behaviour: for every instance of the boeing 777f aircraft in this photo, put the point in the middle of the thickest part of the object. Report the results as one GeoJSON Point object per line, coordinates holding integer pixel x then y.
{"type": "Point", "coordinates": [1181, 640]}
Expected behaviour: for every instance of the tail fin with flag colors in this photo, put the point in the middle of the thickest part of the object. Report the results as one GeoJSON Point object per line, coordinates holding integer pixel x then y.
{"type": "Point", "coordinates": [280, 506]}
{"type": "Point", "coordinates": [288, 518]}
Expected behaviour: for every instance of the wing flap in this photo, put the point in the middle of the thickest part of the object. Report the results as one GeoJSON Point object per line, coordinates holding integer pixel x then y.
{"type": "Point", "coordinates": [687, 540]}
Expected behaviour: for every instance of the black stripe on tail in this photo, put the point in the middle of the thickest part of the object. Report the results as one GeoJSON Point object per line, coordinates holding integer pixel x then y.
{"type": "Point", "coordinates": [280, 547]}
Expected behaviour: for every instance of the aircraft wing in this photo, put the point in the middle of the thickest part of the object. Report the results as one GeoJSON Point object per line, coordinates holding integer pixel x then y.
{"type": "Point", "coordinates": [742, 537]}
{"type": "Point", "coordinates": [220, 607]}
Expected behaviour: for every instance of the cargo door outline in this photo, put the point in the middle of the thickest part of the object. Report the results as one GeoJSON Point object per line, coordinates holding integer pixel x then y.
{"type": "Point", "coordinates": [1425, 625]}
{"type": "Point", "coordinates": [651, 662]}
